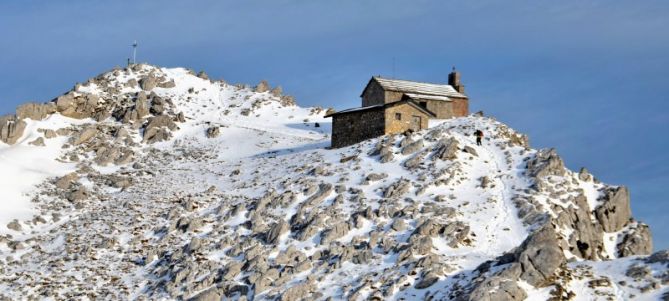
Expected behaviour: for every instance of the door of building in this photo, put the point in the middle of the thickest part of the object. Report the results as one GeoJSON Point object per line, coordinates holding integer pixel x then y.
{"type": "Point", "coordinates": [415, 123]}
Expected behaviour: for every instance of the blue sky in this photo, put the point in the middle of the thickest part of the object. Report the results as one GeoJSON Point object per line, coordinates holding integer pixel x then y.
{"type": "Point", "coordinates": [589, 78]}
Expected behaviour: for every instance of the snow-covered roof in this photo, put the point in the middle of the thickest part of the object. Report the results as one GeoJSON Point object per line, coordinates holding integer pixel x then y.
{"type": "Point", "coordinates": [418, 87]}
{"type": "Point", "coordinates": [427, 97]}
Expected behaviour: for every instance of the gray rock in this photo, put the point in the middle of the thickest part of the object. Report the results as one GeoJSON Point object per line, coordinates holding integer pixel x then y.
{"type": "Point", "coordinates": [297, 292]}
{"type": "Point", "coordinates": [210, 294]}
{"type": "Point", "coordinates": [85, 135]}
{"type": "Point", "coordinates": [11, 129]}
{"type": "Point", "coordinates": [546, 162]}
{"type": "Point", "coordinates": [213, 132]}
{"type": "Point", "coordinates": [147, 83]}
{"type": "Point", "coordinates": [413, 147]}
{"type": "Point", "coordinates": [203, 75]}
{"type": "Point", "coordinates": [470, 150]}
{"type": "Point", "coordinates": [659, 256]}
{"type": "Point", "coordinates": [78, 106]}
{"type": "Point", "coordinates": [262, 87]}
{"type": "Point", "coordinates": [637, 271]}
{"type": "Point", "coordinates": [66, 181]}
{"type": "Point", "coordinates": [37, 142]}
{"type": "Point", "coordinates": [158, 129]}
{"type": "Point", "coordinates": [614, 213]}
{"type": "Point", "coordinates": [167, 84]}
{"type": "Point", "coordinates": [398, 224]}
{"type": "Point", "coordinates": [278, 229]}
{"type": "Point", "coordinates": [397, 189]}
{"type": "Point", "coordinates": [141, 105]}
{"type": "Point", "coordinates": [14, 225]}
{"type": "Point", "coordinates": [376, 176]}
{"type": "Point", "coordinates": [35, 111]}
{"type": "Point", "coordinates": [427, 280]}
{"type": "Point", "coordinates": [584, 175]}
{"type": "Point", "coordinates": [637, 241]}
{"type": "Point", "coordinates": [277, 92]}
{"type": "Point", "coordinates": [446, 149]}
{"type": "Point", "coordinates": [586, 239]}
{"type": "Point", "coordinates": [337, 231]}
{"type": "Point", "coordinates": [540, 257]}
{"type": "Point", "coordinates": [498, 289]}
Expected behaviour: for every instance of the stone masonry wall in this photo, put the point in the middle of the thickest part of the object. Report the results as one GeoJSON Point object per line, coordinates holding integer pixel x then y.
{"type": "Point", "coordinates": [354, 127]}
{"type": "Point", "coordinates": [373, 95]}
{"type": "Point", "coordinates": [460, 107]}
{"type": "Point", "coordinates": [394, 126]}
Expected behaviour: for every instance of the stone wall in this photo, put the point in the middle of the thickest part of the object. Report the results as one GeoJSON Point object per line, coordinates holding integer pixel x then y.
{"type": "Point", "coordinates": [460, 107]}
{"type": "Point", "coordinates": [394, 126]}
{"type": "Point", "coordinates": [353, 127]}
{"type": "Point", "coordinates": [373, 94]}
{"type": "Point", "coordinates": [443, 109]}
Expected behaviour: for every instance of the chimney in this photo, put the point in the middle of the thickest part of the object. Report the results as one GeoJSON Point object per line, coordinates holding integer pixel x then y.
{"type": "Point", "coordinates": [454, 81]}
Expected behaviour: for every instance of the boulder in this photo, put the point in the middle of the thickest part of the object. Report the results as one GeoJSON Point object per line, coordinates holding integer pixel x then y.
{"type": "Point", "coordinates": [85, 135]}
{"type": "Point", "coordinates": [11, 129]}
{"type": "Point", "coordinates": [141, 105]}
{"type": "Point", "coordinates": [158, 129]}
{"type": "Point", "coordinates": [272, 236]}
{"type": "Point", "coordinates": [66, 181]}
{"type": "Point", "coordinates": [35, 111]}
{"type": "Point", "coordinates": [14, 225]}
{"type": "Point", "coordinates": [213, 132]}
{"type": "Point", "coordinates": [470, 150]}
{"type": "Point", "coordinates": [446, 149]}
{"type": "Point", "coordinates": [498, 289]}
{"type": "Point", "coordinates": [78, 106]}
{"type": "Point", "coordinates": [412, 147]}
{"type": "Point", "coordinates": [37, 142]}
{"type": "Point", "coordinates": [203, 75]}
{"type": "Point", "coordinates": [147, 83]}
{"type": "Point", "coordinates": [262, 87]}
{"type": "Point", "coordinates": [540, 256]}
{"type": "Point", "coordinates": [277, 92]}
{"type": "Point", "coordinates": [637, 241]}
{"type": "Point", "coordinates": [614, 213]}
{"type": "Point", "coordinates": [337, 231]}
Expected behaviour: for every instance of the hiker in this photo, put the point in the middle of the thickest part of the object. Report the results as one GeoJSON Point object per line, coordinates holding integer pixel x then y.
{"type": "Point", "coordinates": [479, 136]}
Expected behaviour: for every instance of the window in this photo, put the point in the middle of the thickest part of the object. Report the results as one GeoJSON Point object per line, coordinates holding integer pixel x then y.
{"type": "Point", "coordinates": [398, 116]}
{"type": "Point", "coordinates": [423, 104]}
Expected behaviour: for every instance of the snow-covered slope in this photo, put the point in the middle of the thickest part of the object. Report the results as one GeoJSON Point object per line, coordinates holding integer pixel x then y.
{"type": "Point", "coordinates": [184, 187]}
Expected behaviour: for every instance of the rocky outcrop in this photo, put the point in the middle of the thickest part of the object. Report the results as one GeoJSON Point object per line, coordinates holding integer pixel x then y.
{"type": "Point", "coordinates": [35, 111]}
{"type": "Point", "coordinates": [80, 106]}
{"type": "Point", "coordinates": [262, 87]}
{"type": "Point", "coordinates": [546, 162]}
{"type": "Point", "coordinates": [540, 257]}
{"type": "Point", "coordinates": [11, 129]}
{"type": "Point", "coordinates": [586, 239]}
{"type": "Point", "coordinates": [159, 129]}
{"type": "Point", "coordinates": [637, 241]}
{"type": "Point", "coordinates": [614, 212]}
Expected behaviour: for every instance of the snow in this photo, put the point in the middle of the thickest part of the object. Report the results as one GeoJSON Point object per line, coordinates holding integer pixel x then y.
{"type": "Point", "coordinates": [24, 166]}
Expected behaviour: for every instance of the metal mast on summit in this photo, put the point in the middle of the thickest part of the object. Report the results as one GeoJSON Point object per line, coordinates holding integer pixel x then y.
{"type": "Point", "coordinates": [134, 52]}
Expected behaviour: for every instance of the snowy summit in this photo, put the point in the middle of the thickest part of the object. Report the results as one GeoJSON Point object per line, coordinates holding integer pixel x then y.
{"type": "Point", "coordinates": [149, 183]}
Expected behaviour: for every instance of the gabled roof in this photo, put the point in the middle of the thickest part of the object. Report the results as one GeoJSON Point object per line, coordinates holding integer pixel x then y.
{"type": "Point", "coordinates": [407, 86]}
{"type": "Point", "coordinates": [383, 106]}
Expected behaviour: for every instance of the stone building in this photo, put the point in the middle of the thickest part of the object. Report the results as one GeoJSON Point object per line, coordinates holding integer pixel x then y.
{"type": "Point", "coordinates": [358, 124]}
{"type": "Point", "coordinates": [446, 101]}
{"type": "Point", "coordinates": [391, 106]}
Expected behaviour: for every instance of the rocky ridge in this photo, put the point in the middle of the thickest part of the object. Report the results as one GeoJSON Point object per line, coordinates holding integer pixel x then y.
{"type": "Point", "coordinates": [169, 201]}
